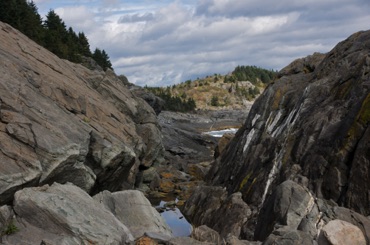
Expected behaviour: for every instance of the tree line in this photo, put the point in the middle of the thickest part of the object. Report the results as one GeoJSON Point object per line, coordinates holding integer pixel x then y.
{"type": "Point", "coordinates": [173, 102]}
{"type": "Point", "coordinates": [253, 74]}
{"type": "Point", "coordinates": [51, 33]}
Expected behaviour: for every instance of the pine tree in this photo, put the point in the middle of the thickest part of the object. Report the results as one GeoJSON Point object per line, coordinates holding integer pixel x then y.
{"type": "Point", "coordinates": [102, 58]}
{"type": "Point", "coordinates": [83, 45]}
{"type": "Point", "coordinates": [56, 36]}
{"type": "Point", "coordinates": [23, 16]}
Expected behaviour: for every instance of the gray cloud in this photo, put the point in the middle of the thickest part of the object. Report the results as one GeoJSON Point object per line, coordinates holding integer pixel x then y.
{"type": "Point", "coordinates": [172, 41]}
{"type": "Point", "coordinates": [136, 18]}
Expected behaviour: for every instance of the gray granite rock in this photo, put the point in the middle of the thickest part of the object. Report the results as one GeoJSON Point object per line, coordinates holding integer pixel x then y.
{"type": "Point", "coordinates": [134, 210]}
{"type": "Point", "coordinates": [61, 122]}
{"type": "Point", "coordinates": [64, 214]}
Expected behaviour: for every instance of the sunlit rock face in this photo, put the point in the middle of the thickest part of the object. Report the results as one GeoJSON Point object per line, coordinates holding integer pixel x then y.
{"type": "Point", "coordinates": [61, 122]}
{"type": "Point", "coordinates": [310, 126]}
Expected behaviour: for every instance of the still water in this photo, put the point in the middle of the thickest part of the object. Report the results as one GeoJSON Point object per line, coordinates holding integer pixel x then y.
{"type": "Point", "coordinates": [176, 221]}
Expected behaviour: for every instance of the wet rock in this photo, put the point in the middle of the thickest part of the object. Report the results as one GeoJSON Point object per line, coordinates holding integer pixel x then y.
{"type": "Point", "coordinates": [64, 214]}
{"type": "Point", "coordinates": [339, 232]}
{"type": "Point", "coordinates": [134, 210]}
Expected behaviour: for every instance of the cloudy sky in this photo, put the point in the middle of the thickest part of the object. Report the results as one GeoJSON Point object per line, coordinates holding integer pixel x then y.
{"type": "Point", "coordinates": [163, 42]}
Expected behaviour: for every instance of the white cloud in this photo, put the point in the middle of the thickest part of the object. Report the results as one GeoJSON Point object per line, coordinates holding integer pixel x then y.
{"type": "Point", "coordinates": [79, 17]}
{"type": "Point", "coordinates": [165, 42]}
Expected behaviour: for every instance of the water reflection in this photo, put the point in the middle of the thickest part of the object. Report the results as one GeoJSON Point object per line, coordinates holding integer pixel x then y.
{"type": "Point", "coordinates": [175, 220]}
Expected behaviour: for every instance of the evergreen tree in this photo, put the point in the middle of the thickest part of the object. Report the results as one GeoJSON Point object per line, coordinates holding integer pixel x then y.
{"type": "Point", "coordinates": [102, 58]}
{"type": "Point", "coordinates": [23, 16]}
{"type": "Point", "coordinates": [83, 45]}
{"type": "Point", "coordinates": [56, 36]}
{"type": "Point", "coordinates": [73, 53]}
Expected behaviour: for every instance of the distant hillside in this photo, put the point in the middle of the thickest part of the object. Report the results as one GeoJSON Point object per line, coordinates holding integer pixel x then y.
{"type": "Point", "coordinates": [231, 91]}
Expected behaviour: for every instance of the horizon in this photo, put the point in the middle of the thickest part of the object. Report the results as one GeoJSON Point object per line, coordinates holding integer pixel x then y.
{"type": "Point", "coordinates": [161, 43]}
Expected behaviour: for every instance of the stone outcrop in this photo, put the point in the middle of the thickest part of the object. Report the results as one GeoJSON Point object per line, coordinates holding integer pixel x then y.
{"type": "Point", "coordinates": [64, 214]}
{"type": "Point", "coordinates": [134, 210]}
{"type": "Point", "coordinates": [61, 122]}
{"type": "Point", "coordinates": [212, 207]}
{"type": "Point", "coordinates": [311, 126]}
{"type": "Point", "coordinates": [302, 158]}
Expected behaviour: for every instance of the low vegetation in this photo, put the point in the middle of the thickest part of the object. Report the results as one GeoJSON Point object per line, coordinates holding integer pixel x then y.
{"type": "Point", "coordinates": [233, 90]}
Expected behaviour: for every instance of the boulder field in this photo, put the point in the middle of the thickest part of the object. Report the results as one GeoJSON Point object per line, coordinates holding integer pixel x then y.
{"type": "Point", "coordinates": [301, 161]}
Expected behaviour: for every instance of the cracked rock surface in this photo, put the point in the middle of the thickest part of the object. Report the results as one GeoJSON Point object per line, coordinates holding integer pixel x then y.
{"type": "Point", "coordinates": [61, 122]}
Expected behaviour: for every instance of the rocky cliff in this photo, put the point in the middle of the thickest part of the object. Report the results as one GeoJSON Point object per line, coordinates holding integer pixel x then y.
{"type": "Point", "coordinates": [61, 122]}
{"type": "Point", "coordinates": [312, 124]}
{"type": "Point", "coordinates": [309, 127]}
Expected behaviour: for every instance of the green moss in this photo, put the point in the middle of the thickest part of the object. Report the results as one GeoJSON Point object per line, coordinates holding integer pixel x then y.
{"type": "Point", "coordinates": [342, 91]}
{"type": "Point", "coordinates": [364, 115]}
{"type": "Point", "coordinates": [277, 98]}
{"type": "Point", "coordinates": [11, 229]}
{"type": "Point", "coordinates": [250, 186]}
{"type": "Point", "coordinates": [245, 180]}
{"type": "Point", "coordinates": [362, 119]}
{"type": "Point", "coordinates": [86, 120]}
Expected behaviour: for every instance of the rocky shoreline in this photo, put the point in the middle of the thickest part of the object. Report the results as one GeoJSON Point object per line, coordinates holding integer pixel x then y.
{"type": "Point", "coordinates": [188, 152]}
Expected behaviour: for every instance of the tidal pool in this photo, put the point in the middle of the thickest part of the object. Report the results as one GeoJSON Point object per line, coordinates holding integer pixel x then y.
{"type": "Point", "coordinates": [175, 220]}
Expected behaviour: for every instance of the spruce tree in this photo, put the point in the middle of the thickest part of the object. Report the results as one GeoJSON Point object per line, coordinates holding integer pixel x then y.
{"type": "Point", "coordinates": [56, 36]}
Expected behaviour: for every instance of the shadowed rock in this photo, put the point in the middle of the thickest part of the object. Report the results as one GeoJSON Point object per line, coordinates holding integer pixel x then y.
{"type": "Point", "coordinates": [316, 119]}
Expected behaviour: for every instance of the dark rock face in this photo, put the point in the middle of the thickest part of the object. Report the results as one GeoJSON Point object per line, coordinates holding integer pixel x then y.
{"type": "Point", "coordinates": [155, 102]}
{"type": "Point", "coordinates": [61, 122]}
{"type": "Point", "coordinates": [212, 207]}
{"type": "Point", "coordinates": [285, 207]}
{"type": "Point", "coordinates": [310, 126]}
{"type": "Point", "coordinates": [302, 159]}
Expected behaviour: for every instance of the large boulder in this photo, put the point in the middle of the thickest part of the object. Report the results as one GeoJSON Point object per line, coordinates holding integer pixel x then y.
{"type": "Point", "coordinates": [339, 232]}
{"type": "Point", "coordinates": [287, 206]}
{"type": "Point", "coordinates": [61, 122]}
{"type": "Point", "coordinates": [293, 213]}
{"type": "Point", "coordinates": [134, 210]}
{"type": "Point", "coordinates": [211, 206]}
{"type": "Point", "coordinates": [64, 214]}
